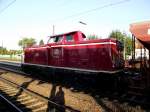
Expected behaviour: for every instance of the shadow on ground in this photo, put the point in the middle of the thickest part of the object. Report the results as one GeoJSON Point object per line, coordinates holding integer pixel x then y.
{"type": "Point", "coordinates": [100, 89]}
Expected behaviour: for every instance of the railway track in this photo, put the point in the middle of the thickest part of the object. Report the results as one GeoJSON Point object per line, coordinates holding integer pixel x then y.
{"type": "Point", "coordinates": [123, 97]}
{"type": "Point", "coordinates": [12, 66]}
{"type": "Point", "coordinates": [25, 100]}
{"type": "Point", "coordinates": [6, 105]}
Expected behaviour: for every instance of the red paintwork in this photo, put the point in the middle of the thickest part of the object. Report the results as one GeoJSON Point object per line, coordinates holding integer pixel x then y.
{"type": "Point", "coordinates": [98, 55]}
{"type": "Point", "coordinates": [141, 31]}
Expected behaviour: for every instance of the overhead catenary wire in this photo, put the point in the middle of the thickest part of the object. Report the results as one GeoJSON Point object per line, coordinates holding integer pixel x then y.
{"type": "Point", "coordinates": [1, 11]}
{"type": "Point", "coordinates": [92, 10]}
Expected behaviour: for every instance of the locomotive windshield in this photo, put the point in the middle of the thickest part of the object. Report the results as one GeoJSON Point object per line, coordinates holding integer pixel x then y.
{"type": "Point", "coordinates": [55, 39]}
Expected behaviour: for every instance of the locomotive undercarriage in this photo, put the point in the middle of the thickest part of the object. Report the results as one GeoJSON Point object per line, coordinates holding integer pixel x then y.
{"type": "Point", "coordinates": [99, 80]}
{"type": "Point", "coordinates": [127, 85]}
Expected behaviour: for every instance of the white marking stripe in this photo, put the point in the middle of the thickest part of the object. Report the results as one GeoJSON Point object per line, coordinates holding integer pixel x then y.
{"type": "Point", "coordinates": [37, 47]}
{"type": "Point", "coordinates": [85, 44]}
{"type": "Point", "coordinates": [76, 69]}
{"type": "Point", "coordinates": [78, 45]}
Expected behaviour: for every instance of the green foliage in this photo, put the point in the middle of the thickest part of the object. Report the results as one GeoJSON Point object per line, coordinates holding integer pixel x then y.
{"type": "Point", "coordinates": [124, 38]}
{"type": "Point", "coordinates": [117, 35]}
{"type": "Point", "coordinates": [41, 42]}
{"type": "Point", "coordinates": [27, 42]}
{"type": "Point", "coordinates": [4, 51]}
{"type": "Point", "coordinates": [91, 37]}
{"type": "Point", "coordinates": [128, 45]}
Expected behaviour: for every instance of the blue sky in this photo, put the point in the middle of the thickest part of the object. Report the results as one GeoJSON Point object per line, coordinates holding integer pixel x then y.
{"type": "Point", "coordinates": [35, 18]}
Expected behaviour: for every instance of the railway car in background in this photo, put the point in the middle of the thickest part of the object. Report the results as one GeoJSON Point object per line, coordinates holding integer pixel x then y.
{"type": "Point", "coordinates": [70, 51]}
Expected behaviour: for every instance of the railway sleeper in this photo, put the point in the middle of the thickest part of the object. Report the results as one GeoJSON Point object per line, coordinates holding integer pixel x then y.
{"type": "Point", "coordinates": [24, 99]}
{"type": "Point", "coordinates": [4, 93]}
{"type": "Point", "coordinates": [30, 102]}
{"type": "Point", "coordinates": [36, 105]}
{"type": "Point", "coordinates": [17, 97]}
{"type": "Point", "coordinates": [10, 91]}
{"type": "Point", "coordinates": [41, 109]}
{"type": "Point", "coordinates": [32, 105]}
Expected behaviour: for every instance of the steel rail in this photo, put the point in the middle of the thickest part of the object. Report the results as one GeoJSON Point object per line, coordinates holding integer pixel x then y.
{"type": "Point", "coordinates": [10, 103]}
{"type": "Point", "coordinates": [32, 93]}
{"type": "Point", "coordinates": [120, 97]}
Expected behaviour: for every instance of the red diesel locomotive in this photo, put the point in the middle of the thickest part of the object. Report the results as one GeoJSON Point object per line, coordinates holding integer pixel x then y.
{"type": "Point", "coordinates": [70, 51]}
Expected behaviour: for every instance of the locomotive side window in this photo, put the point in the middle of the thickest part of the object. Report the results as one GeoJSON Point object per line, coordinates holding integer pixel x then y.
{"type": "Point", "coordinates": [51, 40]}
{"type": "Point", "coordinates": [58, 39]}
{"type": "Point", "coordinates": [69, 38]}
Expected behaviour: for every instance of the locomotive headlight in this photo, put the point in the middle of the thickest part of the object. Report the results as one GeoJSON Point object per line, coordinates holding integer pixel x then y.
{"type": "Point", "coordinates": [148, 31]}
{"type": "Point", "coordinates": [113, 65]}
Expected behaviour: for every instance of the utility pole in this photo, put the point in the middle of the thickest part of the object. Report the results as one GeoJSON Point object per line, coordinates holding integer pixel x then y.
{"type": "Point", "coordinates": [53, 30]}
{"type": "Point", "coordinates": [2, 44]}
{"type": "Point", "coordinates": [124, 47]}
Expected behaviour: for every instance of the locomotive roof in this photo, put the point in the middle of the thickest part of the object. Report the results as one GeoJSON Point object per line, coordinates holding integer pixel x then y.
{"type": "Point", "coordinates": [53, 36]}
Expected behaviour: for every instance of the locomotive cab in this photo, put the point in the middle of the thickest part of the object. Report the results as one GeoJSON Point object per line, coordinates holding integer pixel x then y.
{"type": "Point", "coordinates": [75, 36]}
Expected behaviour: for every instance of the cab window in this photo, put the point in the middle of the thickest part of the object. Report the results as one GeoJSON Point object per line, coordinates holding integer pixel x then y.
{"type": "Point", "coordinates": [69, 38]}
{"type": "Point", "coordinates": [58, 39]}
{"type": "Point", "coordinates": [55, 39]}
{"type": "Point", "coordinates": [51, 40]}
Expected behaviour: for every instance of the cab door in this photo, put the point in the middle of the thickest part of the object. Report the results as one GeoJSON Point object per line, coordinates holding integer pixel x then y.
{"type": "Point", "coordinates": [57, 52]}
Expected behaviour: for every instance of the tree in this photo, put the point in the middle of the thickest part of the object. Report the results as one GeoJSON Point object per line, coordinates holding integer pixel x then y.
{"type": "Point", "coordinates": [27, 42]}
{"type": "Point", "coordinates": [117, 35]}
{"type": "Point", "coordinates": [124, 38]}
{"type": "Point", "coordinates": [91, 37]}
{"type": "Point", "coordinates": [128, 45]}
{"type": "Point", "coordinates": [41, 42]}
{"type": "Point", "coordinates": [3, 51]}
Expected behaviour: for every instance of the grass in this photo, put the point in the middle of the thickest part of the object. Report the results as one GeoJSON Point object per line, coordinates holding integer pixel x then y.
{"type": "Point", "coordinates": [10, 59]}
